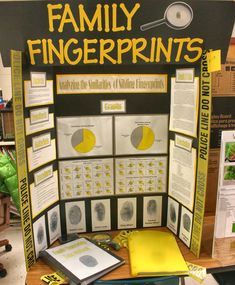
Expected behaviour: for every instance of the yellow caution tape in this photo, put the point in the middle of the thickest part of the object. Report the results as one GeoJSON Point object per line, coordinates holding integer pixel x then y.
{"type": "Point", "coordinates": [55, 278]}
{"type": "Point", "coordinates": [196, 272]}
{"type": "Point", "coordinates": [122, 238]}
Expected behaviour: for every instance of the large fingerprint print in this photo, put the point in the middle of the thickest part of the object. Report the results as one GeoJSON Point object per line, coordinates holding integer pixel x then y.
{"type": "Point", "coordinates": [127, 211]}
{"type": "Point", "coordinates": [172, 213]}
{"type": "Point", "coordinates": [40, 234]}
{"type": "Point", "coordinates": [54, 221]}
{"type": "Point", "coordinates": [88, 260]}
{"type": "Point", "coordinates": [75, 215]}
{"type": "Point", "coordinates": [186, 222]}
{"type": "Point", "coordinates": [100, 211]}
{"type": "Point", "coordinates": [152, 208]}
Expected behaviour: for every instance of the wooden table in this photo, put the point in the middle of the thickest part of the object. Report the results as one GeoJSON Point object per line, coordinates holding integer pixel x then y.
{"type": "Point", "coordinates": [224, 260]}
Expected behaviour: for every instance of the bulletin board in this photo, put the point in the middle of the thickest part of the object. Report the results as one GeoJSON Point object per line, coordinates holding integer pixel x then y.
{"type": "Point", "coordinates": [112, 116]}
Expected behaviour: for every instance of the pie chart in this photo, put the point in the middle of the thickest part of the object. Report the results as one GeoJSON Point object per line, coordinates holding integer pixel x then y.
{"type": "Point", "coordinates": [83, 140]}
{"type": "Point", "coordinates": [142, 137]}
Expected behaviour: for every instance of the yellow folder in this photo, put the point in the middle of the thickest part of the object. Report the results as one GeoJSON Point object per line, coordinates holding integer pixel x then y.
{"type": "Point", "coordinates": [155, 253]}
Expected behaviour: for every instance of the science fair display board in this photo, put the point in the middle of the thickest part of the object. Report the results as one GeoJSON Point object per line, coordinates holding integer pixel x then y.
{"type": "Point", "coordinates": [112, 108]}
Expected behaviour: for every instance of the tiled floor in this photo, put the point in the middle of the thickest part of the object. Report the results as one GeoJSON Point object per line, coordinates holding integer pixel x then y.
{"type": "Point", "coordinates": [15, 264]}
{"type": "Point", "coordinates": [13, 260]}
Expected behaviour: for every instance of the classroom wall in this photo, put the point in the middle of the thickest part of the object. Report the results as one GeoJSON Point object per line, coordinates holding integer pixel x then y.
{"type": "Point", "coordinates": [5, 81]}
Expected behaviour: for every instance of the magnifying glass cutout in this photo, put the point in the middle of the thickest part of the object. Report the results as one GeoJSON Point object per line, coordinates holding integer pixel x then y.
{"type": "Point", "coordinates": [105, 239]}
{"type": "Point", "coordinates": [177, 16]}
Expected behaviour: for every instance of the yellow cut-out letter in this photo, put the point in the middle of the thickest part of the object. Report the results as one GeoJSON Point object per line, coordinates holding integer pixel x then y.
{"type": "Point", "coordinates": [33, 51]}
{"type": "Point", "coordinates": [51, 16]}
{"type": "Point", "coordinates": [129, 15]}
{"type": "Point", "coordinates": [68, 18]}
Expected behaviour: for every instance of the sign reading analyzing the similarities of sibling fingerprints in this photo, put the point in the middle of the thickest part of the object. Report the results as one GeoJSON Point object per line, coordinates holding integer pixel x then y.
{"type": "Point", "coordinates": [44, 194]}
{"type": "Point", "coordinates": [152, 211]}
{"type": "Point", "coordinates": [182, 174]}
{"type": "Point", "coordinates": [40, 119]}
{"type": "Point", "coordinates": [101, 215]}
{"type": "Point", "coordinates": [75, 214]}
{"type": "Point", "coordinates": [126, 213]}
{"type": "Point", "coordinates": [141, 134]}
{"type": "Point", "coordinates": [53, 217]}
{"type": "Point", "coordinates": [38, 96]}
{"type": "Point", "coordinates": [172, 215]}
{"type": "Point", "coordinates": [111, 83]}
{"type": "Point", "coordinates": [186, 221]}
{"type": "Point", "coordinates": [184, 107]}
{"type": "Point", "coordinates": [84, 136]}
{"type": "Point", "coordinates": [86, 178]}
{"type": "Point", "coordinates": [41, 155]}
{"type": "Point", "coordinates": [141, 174]}
{"type": "Point", "coordinates": [39, 233]}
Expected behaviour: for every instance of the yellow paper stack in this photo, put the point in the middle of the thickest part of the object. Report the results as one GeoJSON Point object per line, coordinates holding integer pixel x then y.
{"type": "Point", "coordinates": [155, 253]}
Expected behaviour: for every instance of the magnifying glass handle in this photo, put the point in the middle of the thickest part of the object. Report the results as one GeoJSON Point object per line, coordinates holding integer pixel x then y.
{"type": "Point", "coordinates": [114, 245]}
{"type": "Point", "coordinates": [152, 24]}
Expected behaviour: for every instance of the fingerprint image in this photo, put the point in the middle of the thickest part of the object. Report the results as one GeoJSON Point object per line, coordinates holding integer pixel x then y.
{"type": "Point", "coordinates": [100, 211]}
{"type": "Point", "coordinates": [127, 211]}
{"type": "Point", "coordinates": [152, 208]}
{"type": "Point", "coordinates": [172, 213]}
{"type": "Point", "coordinates": [88, 260]}
{"type": "Point", "coordinates": [54, 221]}
{"type": "Point", "coordinates": [40, 234]}
{"type": "Point", "coordinates": [186, 222]}
{"type": "Point", "coordinates": [75, 215]}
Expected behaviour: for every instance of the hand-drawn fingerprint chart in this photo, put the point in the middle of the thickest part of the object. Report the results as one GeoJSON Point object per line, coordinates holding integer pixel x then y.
{"type": "Point", "coordinates": [84, 136]}
{"type": "Point", "coordinates": [86, 178]}
{"type": "Point", "coordinates": [141, 175]}
{"type": "Point", "coordinates": [141, 134]}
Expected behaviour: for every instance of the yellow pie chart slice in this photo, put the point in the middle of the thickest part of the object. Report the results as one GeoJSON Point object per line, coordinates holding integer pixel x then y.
{"type": "Point", "coordinates": [142, 138]}
{"type": "Point", "coordinates": [83, 140]}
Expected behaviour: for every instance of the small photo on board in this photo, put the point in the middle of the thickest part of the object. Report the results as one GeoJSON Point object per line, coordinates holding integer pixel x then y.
{"type": "Point", "coordinates": [229, 175]}
{"type": "Point", "coordinates": [229, 152]}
